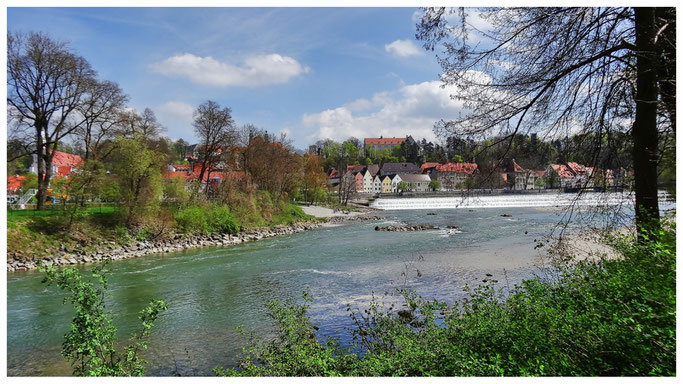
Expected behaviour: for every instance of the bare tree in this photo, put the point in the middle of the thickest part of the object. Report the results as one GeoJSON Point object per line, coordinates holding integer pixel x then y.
{"type": "Point", "coordinates": [215, 129]}
{"type": "Point", "coordinates": [148, 125]}
{"type": "Point", "coordinates": [101, 112]}
{"type": "Point", "coordinates": [564, 70]}
{"type": "Point", "coordinates": [132, 123]}
{"type": "Point", "coordinates": [46, 83]}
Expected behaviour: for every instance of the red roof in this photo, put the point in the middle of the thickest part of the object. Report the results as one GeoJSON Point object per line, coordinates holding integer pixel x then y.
{"type": "Point", "coordinates": [63, 159]}
{"type": "Point", "coordinates": [467, 168]}
{"type": "Point", "coordinates": [385, 141]}
{"type": "Point", "coordinates": [63, 171]}
{"type": "Point", "coordinates": [429, 165]}
{"type": "Point", "coordinates": [562, 170]}
{"type": "Point", "coordinates": [168, 175]}
{"type": "Point", "coordinates": [576, 167]}
{"type": "Point", "coordinates": [14, 182]}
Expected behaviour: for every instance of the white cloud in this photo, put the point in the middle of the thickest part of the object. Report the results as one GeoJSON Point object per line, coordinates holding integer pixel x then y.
{"type": "Point", "coordinates": [411, 110]}
{"type": "Point", "coordinates": [176, 116]}
{"type": "Point", "coordinates": [402, 48]}
{"type": "Point", "coordinates": [255, 71]}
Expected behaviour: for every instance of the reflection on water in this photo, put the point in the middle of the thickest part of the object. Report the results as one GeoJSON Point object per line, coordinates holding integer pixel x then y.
{"type": "Point", "coordinates": [211, 291]}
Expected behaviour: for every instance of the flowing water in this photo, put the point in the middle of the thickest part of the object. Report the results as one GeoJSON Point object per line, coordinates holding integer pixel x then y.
{"type": "Point", "coordinates": [211, 291]}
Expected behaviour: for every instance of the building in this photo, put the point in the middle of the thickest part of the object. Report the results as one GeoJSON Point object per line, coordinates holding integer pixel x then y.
{"type": "Point", "coordinates": [367, 181]}
{"type": "Point", "coordinates": [395, 168]}
{"type": "Point", "coordinates": [569, 175]}
{"type": "Point", "coordinates": [377, 184]}
{"type": "Point", "coordinates": [454, 175]}
{"type": "Point", "coordinates": [382, 143]}
{"type": "Point", "coordinates": [63, 164]}
{"type": "Point", "coordinates": [387, 186]}
{"type": "Point", "coordinates": [518, 177]}
{"type": "Point", "coordinates": [416, 183]}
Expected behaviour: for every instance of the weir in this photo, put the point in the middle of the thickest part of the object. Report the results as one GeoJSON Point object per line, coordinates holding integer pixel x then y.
{"type": "Point", "coordinates": [510, 201]}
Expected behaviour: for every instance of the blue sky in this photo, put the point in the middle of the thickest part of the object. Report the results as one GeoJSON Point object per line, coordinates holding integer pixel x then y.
{"type": "Point", "coordinates": [313, 73]}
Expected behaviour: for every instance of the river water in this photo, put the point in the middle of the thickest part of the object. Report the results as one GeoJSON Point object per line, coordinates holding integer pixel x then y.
{"type": "Point", "coordinates": [211, 291]}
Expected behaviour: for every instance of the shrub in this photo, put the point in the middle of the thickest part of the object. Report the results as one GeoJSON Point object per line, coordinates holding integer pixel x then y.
{"type": "Point", "coordinates": [221, 220]}
{"type": "Point", "coordinates": [192, 220]}
{"type": "Point", "coordinates": [91, 343]}
{"type": "Point", "coordinates": [206, 220]}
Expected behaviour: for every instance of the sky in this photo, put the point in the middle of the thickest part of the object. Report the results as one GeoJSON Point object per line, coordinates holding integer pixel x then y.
{"type": "Point", "coordinates": [313, 73]}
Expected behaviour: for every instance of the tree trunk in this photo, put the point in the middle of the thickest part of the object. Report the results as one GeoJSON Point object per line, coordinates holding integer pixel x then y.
{"type": "Point", "coordinates": [644, 132]}
{"type": "Point", "coordinates": [40, 169]}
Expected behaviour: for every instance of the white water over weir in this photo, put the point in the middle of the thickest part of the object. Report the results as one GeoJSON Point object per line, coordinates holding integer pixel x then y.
{"type": "Point", "coordinates": [534, 200]}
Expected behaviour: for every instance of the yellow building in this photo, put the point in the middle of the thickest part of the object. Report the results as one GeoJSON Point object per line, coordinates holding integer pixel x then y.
{"type": "Point", "coordinates": [386, 184]}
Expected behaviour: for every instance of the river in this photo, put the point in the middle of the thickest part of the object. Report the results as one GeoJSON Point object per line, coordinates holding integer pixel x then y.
{"type": "Point", "coordinates": [211, 291]}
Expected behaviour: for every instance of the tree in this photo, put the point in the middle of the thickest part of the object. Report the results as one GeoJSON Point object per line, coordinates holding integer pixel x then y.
{"type": "Point", "coordinates": [457, 159]}
{"type": "Point", "coordinates": [434, 185]}
{"type": "Point", "coordinates": [215, 129]}
{"type": "Point", "coordinates": [46, 83]}
{"type": "Point", "coordinates": [594, 69]}
{"type": "Point", "coordinates": [138, 171]}
{"type": "Point", "coordinates": [180, 149]}
{"type": "Point", "coordinates": [101, 112]}
{"type": "Point", "coordinates": [314, 178]}
{"type": "Point", "coordinates": [402, 186]}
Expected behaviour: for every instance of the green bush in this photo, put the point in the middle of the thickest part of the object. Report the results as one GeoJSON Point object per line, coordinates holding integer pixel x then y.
{"type": "Point", "coordinates": [192, 220]}
{"type": "Point", "coordinates": [221, 220]}
{"type": "Point", "coordinates": [92, 346]}
{"type": "Point", "coordinates": [613, 317]}
{"type": "Point", "coordinates": [217, 219]}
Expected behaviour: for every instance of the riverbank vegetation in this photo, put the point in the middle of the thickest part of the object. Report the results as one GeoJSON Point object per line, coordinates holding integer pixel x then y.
{"type": "Point", "coordinates": [611, 317]}
{"type": "Point", "coordinates": [91, 345]}
{"type": "Point", "coordinates": [99, 152]}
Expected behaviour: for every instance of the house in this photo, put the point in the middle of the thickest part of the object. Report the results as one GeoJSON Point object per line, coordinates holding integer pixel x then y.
{"type": "Point", "coordinates": [416, 183]}
{"type": "Point", "coordinates": [381, 143]}
{"type": "Point", "coordinates": [428, 167]}
{"type": "Point", "coordinates": [395, 179]}
{"type": "Point", "coordinates": [14, 184]}
{"type": "Point", "coordinates": [367, 181]}
{"type": "Point", "coordinates": [518, 177]}
{"type": "Point", "coordinates": [377, 184]}
{"type": "Point", "coordinates": [569, 175]}
{"type": "Point", "coordinates": [387, 186]}
{"type": "Point", "coordinates": [454, 175]}
{"type": "Point", "coordinates": [63, 164]}
{"type": "Point", "coordinates": [332, 178]}
{"type": "Point", "coordinates": [395, 168]}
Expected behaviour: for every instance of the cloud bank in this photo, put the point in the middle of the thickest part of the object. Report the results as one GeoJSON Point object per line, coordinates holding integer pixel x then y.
{"type": "Point", "coordinates": [255, 71]}
{"type": "Point", "coordinates": [410, 110]}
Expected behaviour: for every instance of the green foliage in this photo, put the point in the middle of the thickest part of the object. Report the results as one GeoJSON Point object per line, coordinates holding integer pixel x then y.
{"type": "Point", "coordinates": [175, 190]}
{"type": "Point", "coordinates": [138, 170]}
{"type": "Point", "coordinates": [610, 317]}
{"type": "Point", "coordinates": [30, 182]}
{"type": "Point", "coordinates": [90, 345]}
{"type": "Point", "coordinates": [197, 219]}
{"type": "Point", "coordinates": [402, 186]}
{"type": "Point", "coordinates": [434, 185]}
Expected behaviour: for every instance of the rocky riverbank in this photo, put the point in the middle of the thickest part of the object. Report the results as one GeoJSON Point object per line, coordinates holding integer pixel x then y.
{"type": "Point", "coordinates": [179, 242]}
